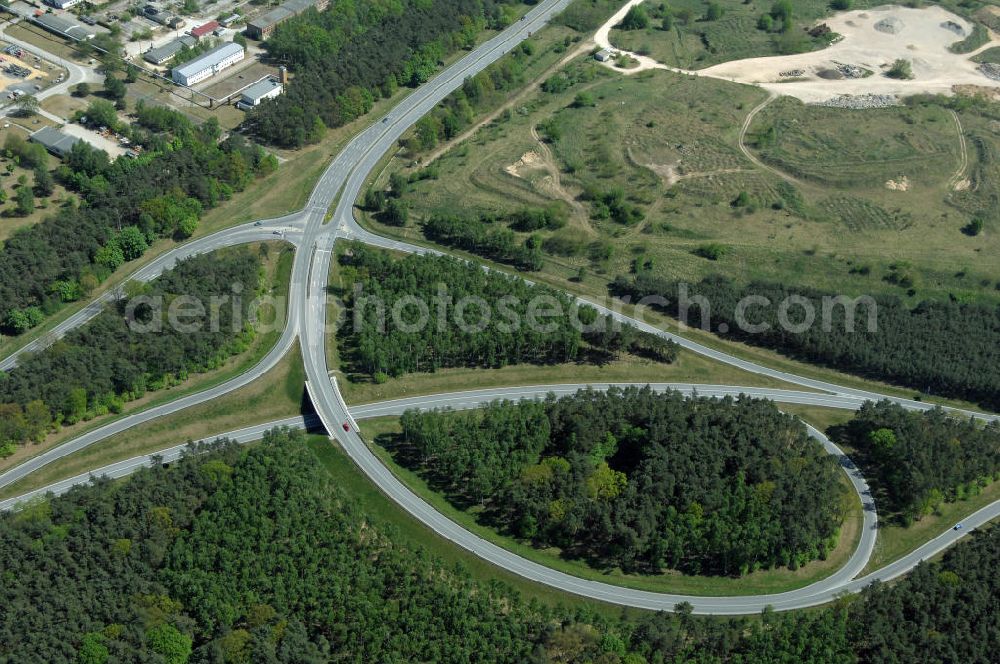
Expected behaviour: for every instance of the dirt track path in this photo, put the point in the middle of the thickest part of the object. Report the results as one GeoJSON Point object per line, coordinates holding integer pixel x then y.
{"type": "Point", "coordinates": [582, 47]}
{"type": "Point", "coordinates": [963, 163]}
{"type": "Point", "coordinates": [750, 155]}
{"type": "Point", "coordinates": [552, 166]}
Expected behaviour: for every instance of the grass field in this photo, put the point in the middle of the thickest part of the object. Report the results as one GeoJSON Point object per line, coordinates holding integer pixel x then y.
{"type": "Point", "coordinates": [819, 417]}
{"type": "Point", "coordinates": [278, 267]}
{"type": "Point", "coordinates": [695, 42]}
{"type": "Point", "coordinates": [39, 38]}
{"type": "Point", "coordinates": [670, 144]}
{"type": "Point", "coordinates": [989, 55]}
{"type": "Point", "coordinates": [845, 150]}
{"type": "Point", "coordinates": [756, 583]}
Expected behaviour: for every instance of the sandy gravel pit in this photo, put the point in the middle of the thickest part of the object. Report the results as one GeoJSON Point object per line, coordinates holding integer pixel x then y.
{"type": "Point", "coordinates": [872, 39]}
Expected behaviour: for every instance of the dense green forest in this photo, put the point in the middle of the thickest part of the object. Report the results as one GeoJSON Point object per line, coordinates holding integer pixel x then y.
{"type": "Point", "coordinates": [99, 366]}
{"type": "Point", "coordinates": [422, 313]}
{"type": "Point", "coordinates": [915, 461]}
{"type": "Point", "coordinates": [639, 480]}
{"type": "Point", "coordinates": [352, 53]}
{"type": "Point", "coordinates": [255, 555]}
{"type": "Point", "coordinates": [124, 206]}
{"type": "Point", "coordinates": [942, 348]}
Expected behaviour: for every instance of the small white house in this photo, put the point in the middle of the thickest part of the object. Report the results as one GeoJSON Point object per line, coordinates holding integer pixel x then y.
{"type": "Point", "coordinates": [603, 55]}
{"type": "Point", "coordinates": [258, 92]}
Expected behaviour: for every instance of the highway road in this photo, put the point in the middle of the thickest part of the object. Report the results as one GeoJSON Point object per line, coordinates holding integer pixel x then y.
{"type": "Point", "coordinates": [477, 398]}
{"type": "Point", "coordinates": [453, 400]}
{"type": "Point", "coordinates": [333, 412]}
{"type": "Point", "coordinates": [307, 293]}
{"type": "Point", "coordinates": [345, 177]}
{"type": "Point", "coordinates": [843, 579]}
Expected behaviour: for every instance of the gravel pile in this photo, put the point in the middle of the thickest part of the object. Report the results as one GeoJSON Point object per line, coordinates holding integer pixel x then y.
{"type": "Point", "coordinates": [990, 70]}
{"type": "Point", "coordinates": [861, 101]}
{"type": "Point", "coordinates": [792, 72]}
{"type": "Point", "coordinates": [851, 71]}
{"type": "Point", "coordinates": [890, 25]}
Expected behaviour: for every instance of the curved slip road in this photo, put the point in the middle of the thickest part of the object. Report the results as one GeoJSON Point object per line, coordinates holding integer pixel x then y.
{"type": "Point", "coordinates": [345, 177]}
{"type": "Point", "coordinates": [287, 228]}
{"type": "Point", "coordinates": [477, 398]}
{"type": "Point", "coordinates": [304, 228]}
{"type": "Point", "coordinates": [842, 580]}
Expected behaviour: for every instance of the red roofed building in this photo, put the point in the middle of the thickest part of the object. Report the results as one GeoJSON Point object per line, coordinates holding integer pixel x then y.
{"type": "Point", "coordinates": [206, 29]}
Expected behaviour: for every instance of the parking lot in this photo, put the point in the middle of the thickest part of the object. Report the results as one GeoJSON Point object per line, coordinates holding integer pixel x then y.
{"type": "Point", "coordinates": [23, 72]}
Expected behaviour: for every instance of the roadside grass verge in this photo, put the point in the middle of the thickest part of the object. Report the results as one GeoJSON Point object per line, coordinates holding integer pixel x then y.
{"type": "Point", "coordinates": [688, 368]}
{"type": "Point", "coordinates": [818, 416]}
{"type": "Point", "coordinates": [769, 581]}
{"type": "Point", "coordinates": [895, 541]}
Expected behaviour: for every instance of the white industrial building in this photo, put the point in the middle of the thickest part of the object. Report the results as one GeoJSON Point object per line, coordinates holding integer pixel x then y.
{"type": "Point", "coordinates": [209, 64]}
{"type": "Point", "coordinates": [258, 92]}
{"type": "Point", "coordinates": [62, 4]}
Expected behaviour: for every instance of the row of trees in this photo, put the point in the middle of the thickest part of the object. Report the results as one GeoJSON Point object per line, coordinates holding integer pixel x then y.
{"type": "Point", "coordinates": [423, 313]}
{"type": "Point", "coordinates": [96, 368]}
{"type": "Point", "coordinates": [485, 239]}
{"type": "Point", "coordinates": [946, 348]}
{"type": "Point", "coordinates": [639, 480]}
{"type": "Point", "coordinates": [918, 460]}
{"type": "Point", "coordinates": [258, 555]}
{"type": "Point", "coordinates": [352, 53]}
{"type": "Point", "coordinates": [182, 170]}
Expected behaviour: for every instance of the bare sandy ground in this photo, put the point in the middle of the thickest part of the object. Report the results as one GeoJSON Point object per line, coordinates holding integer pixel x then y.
{"type": "Point", "coordinates": [922, 36]}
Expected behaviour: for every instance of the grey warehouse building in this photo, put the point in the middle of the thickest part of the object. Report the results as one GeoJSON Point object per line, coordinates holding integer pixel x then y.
{"type": "Point", "coordinates": [54, 141]}
{"type": "Point", "coordinates": [165, 53]}
{"type": "Point", "coordinates": [259, 91]}
{"type": "Point", "coordinates": [64, 28]}
{"type": "Point", "coordinates": [262, 26]}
